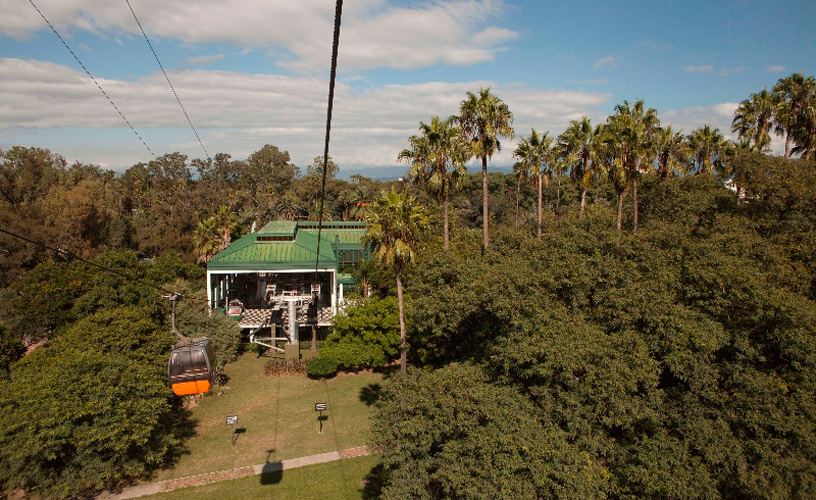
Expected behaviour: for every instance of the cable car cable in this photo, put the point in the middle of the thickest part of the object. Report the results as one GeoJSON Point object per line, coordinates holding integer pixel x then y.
{"type": "Point", "coordinates": [338, 12]}
{"type": "Point", "coordinates": [92, 78]}
{"type": "Point", "coordinates": [104, 268]}
{"type": "Point", "coordinates": [168, 79]}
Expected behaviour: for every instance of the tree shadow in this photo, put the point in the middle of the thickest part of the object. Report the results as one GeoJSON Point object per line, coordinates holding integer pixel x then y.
{"type": "Point", "coordinates": [370, 393]}
{"type": "Point", "coordinates": [373, 483]}
{"type": "Point", "coordinates": [179, 423]}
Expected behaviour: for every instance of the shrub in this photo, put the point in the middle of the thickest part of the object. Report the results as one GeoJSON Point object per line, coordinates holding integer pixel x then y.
{"type": "Point", "coordinates": [367, 336]}
{"type": "Point", "coordinates": [322, 367]}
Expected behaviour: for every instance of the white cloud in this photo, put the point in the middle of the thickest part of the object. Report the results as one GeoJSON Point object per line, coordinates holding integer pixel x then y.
{"type": "Point", "coordinates": [238, 113]}
{"type": "Point", "coordinates": [606, 62]}
{"type": "Point", "coordinates": [202, 60]}
{"type": "Point", "coordinates": [775, 69]}
{"type": "Point", "coordinates": [375, 33]}
{"type": "Point", "coordinates": [729, 71]}
{"type": "Point", "coordinates": [698, 69]}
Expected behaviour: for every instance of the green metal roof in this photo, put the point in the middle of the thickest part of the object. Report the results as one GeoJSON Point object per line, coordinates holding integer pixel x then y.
{"type": "Point", "coordinates": [248, 253]}
{"type": "Point", "coordinates": [279, 228]}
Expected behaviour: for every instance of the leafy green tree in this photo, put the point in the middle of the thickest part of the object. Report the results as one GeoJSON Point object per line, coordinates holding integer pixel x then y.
{"type": "Point", "coordinates": [395, 223]}
{"type": "Point", "coordinates": [440, 147]}
{"type": "Point", "coordinates": [484, 118]}
{"type": "Point", "coordinates": [89, 409]}
{"type": "Point", "coordinates": [366, 335]}
{"type": "Point", "coordinates": [450, 433]}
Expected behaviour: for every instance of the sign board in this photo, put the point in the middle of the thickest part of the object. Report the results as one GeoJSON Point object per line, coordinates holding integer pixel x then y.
{"type": "Point", "coordinates": [320, 406]}
{"type": "Point", "coordinates": [232, 419]}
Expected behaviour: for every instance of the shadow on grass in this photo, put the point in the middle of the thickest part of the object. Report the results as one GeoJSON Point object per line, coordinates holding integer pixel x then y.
{"type": "Point", "coordinates": [373, 483]}
{"type": "Point", "coordinates": [370, 393]}
{"type": "Point", "coordinates": [271, 473]}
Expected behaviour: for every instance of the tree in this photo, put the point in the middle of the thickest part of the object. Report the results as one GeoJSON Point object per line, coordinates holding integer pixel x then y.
{"type": "Point", "coordinates": [795, 95]}
{"type": "Point", "coordinates": [753, 118]}
{"type": "Point", "coordinates": [484, 118]}
{"type": "Point", "coordinates": [89, 409]}
{"type": "Point", "coordinates": [451, 433]}
{"type": "Point", "coordinates": [709, 149]}
{"type": "Point", "coordinates": [534, 155]}
{"type": "Point", "coordinates": [672, 151]}
{"type": "Point", "coordinates": [579, 144]}
{"type": "Point", "coordinates": [366, 335]}
{"type": "Point", "coordinates": [316, 168]}
{"type": "Point", "coordinates": [437, 158]}
{"type": "Point", "coordinates": [395, 223]}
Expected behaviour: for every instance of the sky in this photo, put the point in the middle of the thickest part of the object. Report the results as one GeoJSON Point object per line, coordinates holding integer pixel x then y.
{"type": "Point", "coordinates": [255, 72]}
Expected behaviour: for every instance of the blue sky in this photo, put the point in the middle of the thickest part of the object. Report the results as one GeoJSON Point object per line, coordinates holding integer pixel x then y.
{"type": "Point", "coordinates": [253, 72]}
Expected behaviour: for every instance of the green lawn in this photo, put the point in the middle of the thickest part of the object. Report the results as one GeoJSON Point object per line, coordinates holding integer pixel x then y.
{"type": "Point", "coordinates": [330, 481]}
{"type": "Point", "coordinates": [276, 418]}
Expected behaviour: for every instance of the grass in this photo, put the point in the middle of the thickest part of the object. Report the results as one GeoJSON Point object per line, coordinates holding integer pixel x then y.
{"type": "Point", "coordinates": [333, 480]}
{"type": "Point", "coordinates": [276, 418]}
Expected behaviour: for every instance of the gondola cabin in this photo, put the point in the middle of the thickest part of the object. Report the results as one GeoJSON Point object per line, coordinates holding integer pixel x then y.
{"type": "Point", "coordinates": [191, 369]}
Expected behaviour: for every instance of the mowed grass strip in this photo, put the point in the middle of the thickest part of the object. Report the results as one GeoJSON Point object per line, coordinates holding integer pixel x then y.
{"type": "Point", "coordinates": [341, 480]}
{"type": "Point", "coordinates": [276, 418]}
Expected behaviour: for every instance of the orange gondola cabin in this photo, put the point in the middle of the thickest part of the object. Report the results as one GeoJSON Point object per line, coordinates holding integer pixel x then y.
{"type": "Point", "coordinates": [191, 369]}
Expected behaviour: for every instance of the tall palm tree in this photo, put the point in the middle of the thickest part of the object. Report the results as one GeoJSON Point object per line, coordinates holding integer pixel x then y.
{"type": "Point", "coordinates": [395, 222]}
{"type": "Point", "coordinates": [672, 151]}
{"type": "Point", "coordinates": [484, 118]}
{"type": "Point", "coordinates": [795, 95]}
{"type": "Point", "coordinates": [629, 135]}
{"type": "Point", "coordinates": [578, 145]}
{"type": "Point", "coordinates": [753, 118]}
{"type": "Point", "coordinates": [708, 148]}
{"type": "Point", "coordinates": [533, 154]}
{"type": "Point", "coordinates": [437, 158]}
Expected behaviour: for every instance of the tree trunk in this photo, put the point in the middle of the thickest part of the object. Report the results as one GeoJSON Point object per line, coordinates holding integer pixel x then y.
{"type": "Point", "coordinates": [403, 357]}
{"type": "Point", "coordinates": [540, 203]}
{"type": "Point", "coordinates": [558, 198]}
{"type": "Point", "coordinates": [583, 202]}
{"type": "Point", "coordinates": [634, 204]}
{"type": "Point", "coordinates": [620, 210]}
{"type": "Point", "coordinates": [518, 195]}
{"type": "Point", "coordinates": [484, 201]}
{"type": "Point", "coordinates": [787, 145]}
{"type": "Point", "coordinates": [445, 197]}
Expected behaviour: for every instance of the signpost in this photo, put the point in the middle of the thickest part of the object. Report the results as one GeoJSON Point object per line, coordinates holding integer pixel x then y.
{"type": "Point", "coordinates": [321, 407]}
{"type": "Point", "coordinates": [232, 420]}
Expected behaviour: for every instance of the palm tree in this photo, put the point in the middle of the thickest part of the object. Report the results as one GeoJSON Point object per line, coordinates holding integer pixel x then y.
{"type": "Point", "coordinates": [437, 158]}
{"type": "Point", "coordinates": [753, 117]}
{"type": "Point", "coordinates": [207, 239]}
{"type": "Point", "coordinates": [795, 95]}
{"type": "Point", "coordinates": [708, 150]}
{"type": "Point", "coordinates": [533, 154]}
{"type": "Point", "coordinates": [484, 118]}
{"type": "Point", "coordinates": [672, 151]}
{"type": "Point", "coordinates": [578, 145]}
{"type": "Point", "coordinates": [629, 137]}
{"type": "Point", "coordinates": [395, 222]}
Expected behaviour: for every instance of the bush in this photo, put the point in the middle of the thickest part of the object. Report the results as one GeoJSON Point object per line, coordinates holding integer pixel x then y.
{"type": "Point", "coordinates": [367, 336]}
{"type": "Point", "coordinates": [322, 367]}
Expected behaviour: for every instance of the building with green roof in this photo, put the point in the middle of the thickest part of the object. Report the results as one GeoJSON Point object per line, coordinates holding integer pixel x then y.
{"type": "Point", "coordinates": [286, 262]}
